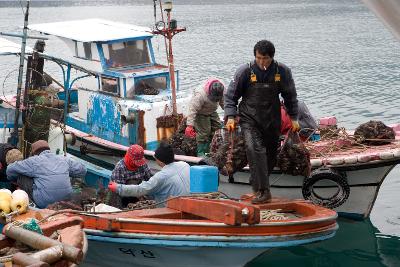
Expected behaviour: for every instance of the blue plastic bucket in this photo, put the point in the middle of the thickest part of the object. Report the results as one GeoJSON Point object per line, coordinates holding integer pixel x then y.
{"type": "Point", "coordinates": [203, 179]}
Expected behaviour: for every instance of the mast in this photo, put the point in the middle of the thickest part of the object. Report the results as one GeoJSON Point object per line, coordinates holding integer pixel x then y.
{"type": "Point", "coordinates": [14, 134]}
{"type": "Point", "coordinates": [168, 31]}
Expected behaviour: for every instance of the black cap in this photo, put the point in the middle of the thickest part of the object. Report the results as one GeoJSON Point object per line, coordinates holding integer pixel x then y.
{"type": "Point", "coordinates": [164, 153]}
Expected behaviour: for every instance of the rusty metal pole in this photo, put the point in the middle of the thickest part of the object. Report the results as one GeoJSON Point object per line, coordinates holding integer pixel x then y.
{"type": "Point", "coordinates": [171, 66]}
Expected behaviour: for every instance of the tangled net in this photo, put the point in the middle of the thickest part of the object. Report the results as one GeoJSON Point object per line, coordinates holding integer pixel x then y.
{"type": "Point", "coordinates": [228, 151]}
{"type": "Point", "coordinates": [374, 133]}
{"type": "Point", "coordinates": [294, 158]}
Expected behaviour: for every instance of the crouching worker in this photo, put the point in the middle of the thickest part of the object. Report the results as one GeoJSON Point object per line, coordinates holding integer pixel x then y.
{"type": "Point", "coordinates": [203, 119]}
{"type": "Point", "coordinates": [172, 180]}
{"type": "Point", "coordinates": [8, 155]}
{"type": "Point", "coordinates": [45, 176]}
{"type": "Point", "coordinates": [132, 169]}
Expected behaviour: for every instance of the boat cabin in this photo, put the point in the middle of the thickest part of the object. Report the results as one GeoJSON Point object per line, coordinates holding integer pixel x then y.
{"type": "Point", "coordinates": [123, 90]}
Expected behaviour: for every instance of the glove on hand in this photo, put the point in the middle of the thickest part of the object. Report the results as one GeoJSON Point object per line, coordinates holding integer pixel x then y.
{"type": "Point", "coordinates": [295, 126]}
{"type": "Point", "coordinates": [190, 132]}
{"type": "Point", "coordinates": [230, 124]}
{"type": "Point", "coordinates": [113, 186]}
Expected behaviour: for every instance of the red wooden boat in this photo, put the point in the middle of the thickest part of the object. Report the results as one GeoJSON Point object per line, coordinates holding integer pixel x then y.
{"type": "Point", "coordinates": [193, 231]}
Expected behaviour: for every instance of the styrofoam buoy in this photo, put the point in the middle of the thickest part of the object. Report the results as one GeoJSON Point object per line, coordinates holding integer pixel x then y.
{"type": "Point", "coordinates": [350, 160]}
{"type": "Point", "coordinates": [5, 206]}
{"type": "Point", "coordinates": [364, 158]}
{"type": "Point", "coordinates": [6, 190]}
{"type": "Point", "coordinates": [20, 201]}
{"type": "Point", "coordinates": [5, 201]}
{"type": "Point", "coordinates": [5, 195]}
{"type": "Point", "coordinates": [396, 153]}
{"type": "Point", "coordinates": [20, 192]}
{"type": "Point", "coordinates": [335, 161]}
{"type": "Point", "coordinates": [386, 155]}
{"type": "Point", "coordinates": [316, 162]}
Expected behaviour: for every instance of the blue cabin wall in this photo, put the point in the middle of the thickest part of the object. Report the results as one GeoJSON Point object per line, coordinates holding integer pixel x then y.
{"type": "Point", "coordinates": [103, 117]}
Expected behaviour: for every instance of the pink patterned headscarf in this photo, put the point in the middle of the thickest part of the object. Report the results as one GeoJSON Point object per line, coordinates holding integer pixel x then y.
{"type": "Point", "coordinates": [208, 83]}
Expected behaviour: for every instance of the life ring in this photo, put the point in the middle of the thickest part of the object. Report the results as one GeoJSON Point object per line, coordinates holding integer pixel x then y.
{"type": "Point", "coordinates": [333, 201]}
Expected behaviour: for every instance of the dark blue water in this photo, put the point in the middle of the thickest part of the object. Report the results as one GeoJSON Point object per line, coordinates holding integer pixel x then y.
{"type": "Point", "coordinates": [344, 61]}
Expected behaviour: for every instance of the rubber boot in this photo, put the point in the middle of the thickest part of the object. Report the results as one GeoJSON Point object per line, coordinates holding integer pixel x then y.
{"type": "Point", "coordinates": [263, 196]}
{"type": "Point", "coordinates": [202, 149]}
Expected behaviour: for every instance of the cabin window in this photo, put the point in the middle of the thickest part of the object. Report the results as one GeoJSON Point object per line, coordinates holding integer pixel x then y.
{"type": "Point", "coordinates": [110, 85]}
{"type": "Point", "coordinates": [148, 86]}
{"type": "Point", "coordinates": [83, 50]}
{"type": "Point", "coordinates": [132, 53]}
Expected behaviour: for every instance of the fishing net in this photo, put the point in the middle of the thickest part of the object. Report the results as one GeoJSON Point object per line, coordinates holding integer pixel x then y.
{"type": "Point", "coordinates": [294, 158]}
{"type": "Point", "coordinates": [374, 133]}
{"type": "Point", "coordinates": [181, 143]}
{"type": "Point", "coordinates": [228, 151]}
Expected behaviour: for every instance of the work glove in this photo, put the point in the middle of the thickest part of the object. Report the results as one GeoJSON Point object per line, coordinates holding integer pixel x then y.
{"type": "Point", "coordinates": [295, 126]}
{"type": "Point", "coordinates": [230, 124]}
{"type": "Point", "coordinates": [190, 131]}
{"type": "Point", "coordinates": [113, 186]}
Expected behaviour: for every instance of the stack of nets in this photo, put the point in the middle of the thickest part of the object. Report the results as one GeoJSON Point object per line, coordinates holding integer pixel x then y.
{"type": "Point", "coordinates": [181, 143]}
{"type": "Point", "coordinates": [228, 151]}
{"type": "Point", "coordinates": [294, 158]}
{"type": "Point", "coordinates": [329, 132]}
{"type": "Point", "coordinates": [374, 133]}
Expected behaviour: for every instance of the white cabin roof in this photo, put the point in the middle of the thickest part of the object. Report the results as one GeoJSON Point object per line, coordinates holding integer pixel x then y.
{"type": "Point", "coordinates": [92, 30]}
{"type": "Point", "coordinates": [10, 48]}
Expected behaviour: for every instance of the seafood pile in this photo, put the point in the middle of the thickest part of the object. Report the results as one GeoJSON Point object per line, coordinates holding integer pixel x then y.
{"type": "Point", "coordinates": [181, 143]}
{"type": "Point", "coordinates": [374, 133]}
{"type": "Point", "coordinates": [228, 152]}
{"type": "Point", "coordinates": [294, 157]}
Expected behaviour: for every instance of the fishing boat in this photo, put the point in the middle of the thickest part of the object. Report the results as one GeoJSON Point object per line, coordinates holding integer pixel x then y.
{"type": "Point", "coordinates": [108, 106]}
{"type": "Point", "coordinates": [199, 231]}
{"type": "Point", "coordinates": [60, 241]}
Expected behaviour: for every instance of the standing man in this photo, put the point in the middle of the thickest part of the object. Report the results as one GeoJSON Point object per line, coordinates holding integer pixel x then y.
{"type": "Point", "coordinates": [203, 119]}
{"type": "Point", "coordinates": [259, 85]}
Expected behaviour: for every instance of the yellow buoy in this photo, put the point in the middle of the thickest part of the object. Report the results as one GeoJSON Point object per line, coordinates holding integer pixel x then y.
{"type": "Point", "coordinates": [5, 195]}
{"type": "Point", "coordinates": [5, 190]}
{"type": "Point", "coordinates": [20, 201]}
{"type": "Point", "coordinates": [5, 205]}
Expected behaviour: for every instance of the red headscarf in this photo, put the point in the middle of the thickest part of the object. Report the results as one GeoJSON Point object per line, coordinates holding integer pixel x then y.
{"type": "Point", "coordinates": [134, 157]}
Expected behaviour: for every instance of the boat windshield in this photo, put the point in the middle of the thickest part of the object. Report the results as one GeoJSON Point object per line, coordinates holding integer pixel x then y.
{"type": "Point", "coordinates": [131, 53]}
{"type": "Point", "coordinates": [148, 86]}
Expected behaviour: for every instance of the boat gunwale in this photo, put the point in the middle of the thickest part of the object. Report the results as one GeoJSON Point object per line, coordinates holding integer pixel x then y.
{"type": "Point", "coordinates": [218, 224]}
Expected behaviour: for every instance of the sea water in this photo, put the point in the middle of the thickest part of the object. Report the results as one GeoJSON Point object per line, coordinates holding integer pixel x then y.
{"type": "Point", "coordinates": [345, 63]}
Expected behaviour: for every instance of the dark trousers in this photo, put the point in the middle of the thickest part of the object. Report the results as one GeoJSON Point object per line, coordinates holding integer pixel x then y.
{"type": "Point", "coordinates": [26, 183]}
{"type": "Point", "coordinates": [261, 151]}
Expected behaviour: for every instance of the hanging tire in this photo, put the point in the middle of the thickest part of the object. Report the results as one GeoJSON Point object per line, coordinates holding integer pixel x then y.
{"type": "Point", "coordinates": [334, 201]}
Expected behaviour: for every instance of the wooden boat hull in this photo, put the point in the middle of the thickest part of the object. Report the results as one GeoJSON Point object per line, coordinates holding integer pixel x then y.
{"type": "Point", "coordinates": [167, 237]}
{"type": "Point", "coordinates": [117, 251]}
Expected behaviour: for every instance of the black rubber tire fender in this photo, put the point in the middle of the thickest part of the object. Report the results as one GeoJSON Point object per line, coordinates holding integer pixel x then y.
{"type": "Point", "coordinates": [334, 201]}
